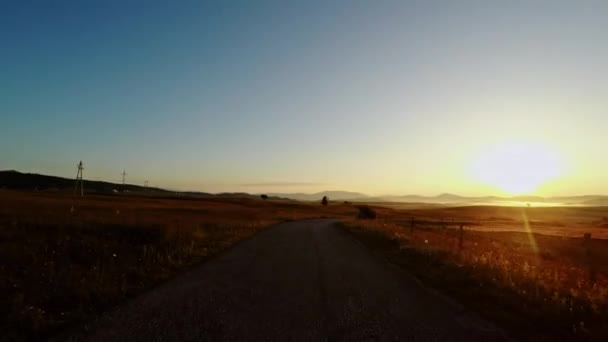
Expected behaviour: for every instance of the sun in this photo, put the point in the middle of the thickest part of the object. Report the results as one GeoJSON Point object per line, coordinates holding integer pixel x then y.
{"type": "Point", "coordinates": [516, 168]}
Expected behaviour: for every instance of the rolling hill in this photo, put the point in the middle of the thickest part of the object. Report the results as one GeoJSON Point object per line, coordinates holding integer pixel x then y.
{"type": "Point", "coordinates": [36, 182]}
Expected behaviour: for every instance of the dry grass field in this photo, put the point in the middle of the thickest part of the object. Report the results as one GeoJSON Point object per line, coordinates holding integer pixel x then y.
{"type": "Point", "coordinates": [537, 277]}
{"type": "Point", "coordinates": [61, 266]}
{"type": "Point", "coordinates": [571, 221]}
{"type": "Point", "coordinates": [63, 262]}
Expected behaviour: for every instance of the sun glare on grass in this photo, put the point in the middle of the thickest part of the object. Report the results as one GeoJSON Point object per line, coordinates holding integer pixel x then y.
{"type": "Point", "coordinates": [517, 168]}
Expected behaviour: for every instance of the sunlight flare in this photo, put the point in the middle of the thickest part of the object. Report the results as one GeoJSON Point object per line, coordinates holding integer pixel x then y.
{"type": "Point", "coordinates": [528, 231]}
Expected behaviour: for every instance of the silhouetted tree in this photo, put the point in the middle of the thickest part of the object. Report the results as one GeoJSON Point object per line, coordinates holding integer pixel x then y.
{"type": "Point", "coordinates": [264, 197]}
{"type": "Point", "coordinates": [325, 201]}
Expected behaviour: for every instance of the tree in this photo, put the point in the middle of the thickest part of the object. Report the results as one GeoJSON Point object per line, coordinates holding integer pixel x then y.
{"type": "Point", "coordinates": [325, 201]}
{"type": "Point", "coordinates": [264, 197]}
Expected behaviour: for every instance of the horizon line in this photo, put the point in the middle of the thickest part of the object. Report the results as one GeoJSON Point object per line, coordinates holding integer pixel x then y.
{"type": "Point", "coordinates": [321, 192]}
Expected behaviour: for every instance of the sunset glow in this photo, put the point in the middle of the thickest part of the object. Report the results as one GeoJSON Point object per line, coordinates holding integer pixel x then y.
{"type": "Point", "coordinates": [381, 98]}
{"type": "Point", "coordinates": [517, 168]}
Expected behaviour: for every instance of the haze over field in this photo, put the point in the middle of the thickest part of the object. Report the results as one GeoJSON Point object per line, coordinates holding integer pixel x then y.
{"type": "Point", "coordinates": [381, 98]}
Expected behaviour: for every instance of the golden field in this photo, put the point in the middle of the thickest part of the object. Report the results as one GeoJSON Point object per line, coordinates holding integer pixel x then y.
{"type": "Point", "coordinates": [64, 260]}
{"type": "Point", "coordinates": [528, 269]}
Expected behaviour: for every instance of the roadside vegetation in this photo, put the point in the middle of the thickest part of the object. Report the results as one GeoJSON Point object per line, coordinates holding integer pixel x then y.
{"type": "Point", "coordinates": [63, 262]}
{"type": "Point", "coordinates": [539, 287]}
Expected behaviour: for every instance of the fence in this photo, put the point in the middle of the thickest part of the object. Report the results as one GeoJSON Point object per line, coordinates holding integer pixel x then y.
{"type": "Point", "coordinates": [591, 258]}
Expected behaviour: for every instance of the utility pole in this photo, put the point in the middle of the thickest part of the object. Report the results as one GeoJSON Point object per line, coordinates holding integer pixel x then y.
{"type": "Point", "coordinates": [79, 180]}
{"type": "Point", "coordinates": [124, 175]}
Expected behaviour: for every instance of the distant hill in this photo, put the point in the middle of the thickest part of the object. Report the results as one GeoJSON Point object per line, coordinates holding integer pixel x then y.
{"type": "Point", "coordinates": [35, 182]}
{"type": "Point", "coordinates": [443, 198]}
{"type": "Point", "coordinates": [332, 195]}
{"type": "Point", "coordinates": [31, 181]}
{"type": "Point", "coordinates": [451, 199]}
{"type": "Point", "coordinates": [456, 199]}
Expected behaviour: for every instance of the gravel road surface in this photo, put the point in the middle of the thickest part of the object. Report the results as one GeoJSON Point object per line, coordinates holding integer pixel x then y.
{"type": "Point", "coordinates": [299, 281]}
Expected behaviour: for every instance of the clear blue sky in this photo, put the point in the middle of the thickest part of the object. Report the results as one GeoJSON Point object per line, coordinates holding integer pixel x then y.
{"type": "Point", "coordinates": [383, 97]}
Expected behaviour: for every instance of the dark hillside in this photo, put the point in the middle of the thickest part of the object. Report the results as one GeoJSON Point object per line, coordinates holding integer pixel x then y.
{"type": "Point", "coordinates": [30, 181]}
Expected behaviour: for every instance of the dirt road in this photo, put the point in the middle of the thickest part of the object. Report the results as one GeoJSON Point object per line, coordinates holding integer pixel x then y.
{"type": "Point", "coordinates": [303, 280]}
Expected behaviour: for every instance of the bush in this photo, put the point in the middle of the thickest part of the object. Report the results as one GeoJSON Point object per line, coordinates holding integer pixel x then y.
{"type": "Point", "coordinates": [366, 213]}
{"type": "Point", "coordinates": [325, 201]}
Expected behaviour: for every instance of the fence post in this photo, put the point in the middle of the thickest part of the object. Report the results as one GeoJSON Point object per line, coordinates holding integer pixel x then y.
{"type": "Point", "coordinates": [460, 236]}
{"type": "Point", "coordinates": [589, 256]}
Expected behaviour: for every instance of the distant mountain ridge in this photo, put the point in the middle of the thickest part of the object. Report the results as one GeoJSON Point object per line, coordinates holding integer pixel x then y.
{"type": "Point", "coordinates": [447, 198]}
{"type": "Point", "coordinates": [28, 181]}
{"type": "Point", "coordinates": [332, 195]}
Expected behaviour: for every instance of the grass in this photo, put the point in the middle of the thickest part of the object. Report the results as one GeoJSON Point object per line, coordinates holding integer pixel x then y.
{"type": "Point", "coordinates": [61, 266]}
{"type": "Point", "coordinates": [541, 290]}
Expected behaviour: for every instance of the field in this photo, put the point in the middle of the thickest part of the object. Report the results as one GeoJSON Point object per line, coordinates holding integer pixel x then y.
{"type": "Point", "coordinates": [570, 221]}
{"type": "Point", "coordinates": [63, 261]}
{"type": "Point", "coordinates": [529, 269]}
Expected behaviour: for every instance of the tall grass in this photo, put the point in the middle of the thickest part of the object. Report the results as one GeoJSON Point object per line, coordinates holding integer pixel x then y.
{"type": "Point", "coordinates": [54, 274]}
{"type": "Point", "coordinates": [540, 294]}
{"type": "Point", "coordinates": [60, 267]}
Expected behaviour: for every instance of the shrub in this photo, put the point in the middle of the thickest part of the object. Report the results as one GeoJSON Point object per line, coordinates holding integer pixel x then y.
{"type": "Point", "coordinates": [366, 213]}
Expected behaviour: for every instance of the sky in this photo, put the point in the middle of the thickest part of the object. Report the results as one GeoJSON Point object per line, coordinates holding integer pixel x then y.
{"type": "Point", "coordinates": [380, 97]}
